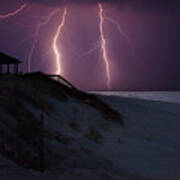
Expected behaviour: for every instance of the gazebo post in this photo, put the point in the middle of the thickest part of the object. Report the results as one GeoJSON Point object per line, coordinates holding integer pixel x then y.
{"type": "Point", "coordinates": [8, 68]}
{"type": "Point", "coordinates": [14, 69]}
{"type": "Point", "coordinates": [0, 68]}
{"type": "Point", "coordinates": [17, 68]}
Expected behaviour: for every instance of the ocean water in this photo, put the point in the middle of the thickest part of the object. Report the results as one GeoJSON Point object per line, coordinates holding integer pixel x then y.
{"type": "Point", "coordinates": [147, 95]}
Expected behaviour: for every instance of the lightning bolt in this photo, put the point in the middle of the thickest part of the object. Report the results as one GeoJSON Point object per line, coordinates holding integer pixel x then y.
{"type": "Point", "coordinates": [14, 13]}
{"type": "Point", "coordinates": [36, 34]}
{"type": "Point", "coordinates": [95, 46]}
{"type": "Point", "coordinates": [55, 43]}
{"type": "Point", "coordinates": [103, 45]}
{"type": "Point", "coordinates": [121, 32]}
{"type": "Point", "coordinates": [103, 17]}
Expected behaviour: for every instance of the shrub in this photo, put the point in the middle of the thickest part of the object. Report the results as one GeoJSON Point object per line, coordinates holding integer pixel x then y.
{"type": "Point", "coordinates": [104, 126]}
{"type": "Point", "coordinates": [93, 135]}
{"type": "Point", "coordinates": [73, 125]}
{"type": "Point", "coordinates": [29, 128]}
{"type": "Point", "coordinates": [120, 141]}
{"type": "Point", "coordinates": [148, 138]}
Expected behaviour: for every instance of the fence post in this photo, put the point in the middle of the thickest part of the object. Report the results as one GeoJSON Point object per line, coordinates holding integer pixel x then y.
{"type": "Point", "coordinates": [2, 136]}
{"type": "Point", "coordinates": [41, 144]}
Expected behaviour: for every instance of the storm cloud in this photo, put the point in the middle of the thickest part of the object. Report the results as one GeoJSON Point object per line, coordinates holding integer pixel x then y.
{"type": "Point", "coordinates": [153, 6]}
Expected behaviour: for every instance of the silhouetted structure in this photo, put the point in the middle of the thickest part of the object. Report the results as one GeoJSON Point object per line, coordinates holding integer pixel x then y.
{"type": "Point", "coordinates": [8, 61]}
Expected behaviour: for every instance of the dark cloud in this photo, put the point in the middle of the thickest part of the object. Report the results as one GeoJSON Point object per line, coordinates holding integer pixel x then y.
{"type": "Point", "coordinates": [136, 5]}
{"type": "Point", "coordinates": [63, 2]}
{"type": "Point", "coordinates": [153, 5]}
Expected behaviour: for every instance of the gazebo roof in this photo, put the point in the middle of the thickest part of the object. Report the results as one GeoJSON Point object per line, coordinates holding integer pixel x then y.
{"type": "Point", "coordinates": [5, 59]}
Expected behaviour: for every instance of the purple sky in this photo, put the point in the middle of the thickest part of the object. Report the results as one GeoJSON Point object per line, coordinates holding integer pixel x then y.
{"type": "Point", "coordinates": [152, 29]}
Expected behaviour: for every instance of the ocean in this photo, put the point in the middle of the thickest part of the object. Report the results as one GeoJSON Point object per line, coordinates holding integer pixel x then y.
{"type": "Point", "coordinates": [147, 95]}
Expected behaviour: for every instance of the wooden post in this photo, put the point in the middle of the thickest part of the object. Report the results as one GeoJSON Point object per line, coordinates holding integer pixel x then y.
{"type": "Point", "coordinates": [2, 136]}
{"type": "Point", "coordinates": [41, 144]}
{"type": "Point", "coordinates": [17, 68]}
{"type": "Point", "coordinates": [0, 68]}
{"type": "Point", "coordinates": [8, 68]}
{"type": "Point", "coordinates": [14, 69]}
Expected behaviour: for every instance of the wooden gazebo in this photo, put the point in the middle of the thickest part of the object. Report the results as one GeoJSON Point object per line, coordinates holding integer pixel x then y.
{"type": "Point", "coordinates": [8, 61]}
